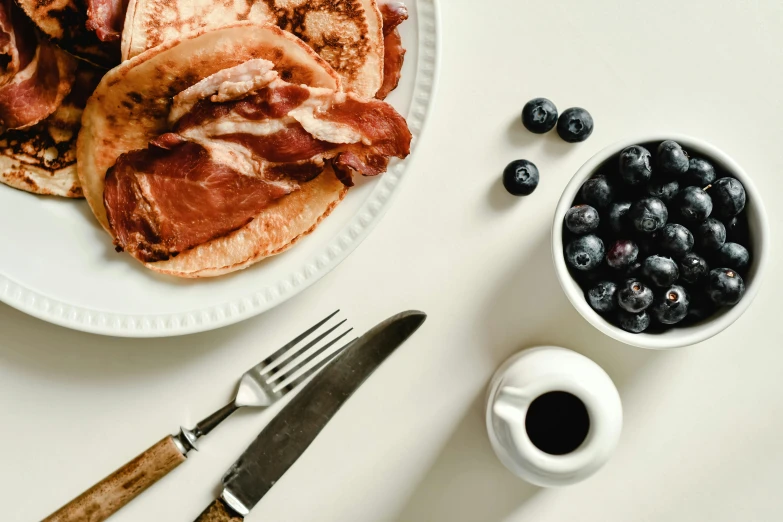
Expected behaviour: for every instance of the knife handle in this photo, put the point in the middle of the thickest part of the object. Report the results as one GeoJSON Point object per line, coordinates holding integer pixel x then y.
{"type": "Point", "coordinates": [217, 511]}
{"type": "Point", "coordinates": [107, 496]}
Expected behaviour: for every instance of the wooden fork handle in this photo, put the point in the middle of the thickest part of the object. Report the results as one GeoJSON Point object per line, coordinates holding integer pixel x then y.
{"type": "Point", "coordinates": [217, 511]}
{"type": "Point", "coordinates": [107, 496]}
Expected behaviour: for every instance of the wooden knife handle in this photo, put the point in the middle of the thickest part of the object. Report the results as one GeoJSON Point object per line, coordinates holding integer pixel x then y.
{"type": "Point", "coordinates": [217, 511]}
{"type": "Point", "coordinates": [107, 496]}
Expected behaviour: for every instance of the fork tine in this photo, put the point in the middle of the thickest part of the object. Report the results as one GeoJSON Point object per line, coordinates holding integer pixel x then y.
{"type": "Point", "coordinates": [296, 340]}
{"type": "Point", "coordinates": [299, 380]}
{"type": "Point", "coordinates": [294, 353]}
{"type": "Point", "coordinates": [283, 375]}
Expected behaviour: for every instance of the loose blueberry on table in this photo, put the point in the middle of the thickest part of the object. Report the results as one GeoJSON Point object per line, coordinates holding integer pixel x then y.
{"type": "Point", "coordinates": [520, 177]}
{"type": "Point", "coordinates": [539, 115]}
{"type": "Point", "coordinates": [658, 243]}
{"type": "Point", "coordinates": [575, 125]}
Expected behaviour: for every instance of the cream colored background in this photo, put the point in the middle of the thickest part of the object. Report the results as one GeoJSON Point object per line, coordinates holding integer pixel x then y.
{"type": "Point", "coordinates": [702, 438]}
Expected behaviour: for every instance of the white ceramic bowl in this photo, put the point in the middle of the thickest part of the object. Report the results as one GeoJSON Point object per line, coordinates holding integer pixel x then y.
{"type": "Point", "coordinates": [678, 336]}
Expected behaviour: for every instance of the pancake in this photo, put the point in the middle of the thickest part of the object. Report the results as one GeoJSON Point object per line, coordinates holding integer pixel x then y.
{"type": "Point", "coordinates": [132, 104]}
{"type": "Point", "coordinates": [347, 34]}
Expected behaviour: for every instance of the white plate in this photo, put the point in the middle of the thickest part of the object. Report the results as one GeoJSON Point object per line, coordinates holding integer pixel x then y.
{"type": "Point", "coordinates": [57, 264]}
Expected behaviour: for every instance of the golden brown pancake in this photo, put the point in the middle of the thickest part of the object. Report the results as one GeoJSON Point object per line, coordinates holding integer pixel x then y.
{"type": "Point", "coordinates": [346, 33]}
{"type": "Point", "coordinates": [131, 106]}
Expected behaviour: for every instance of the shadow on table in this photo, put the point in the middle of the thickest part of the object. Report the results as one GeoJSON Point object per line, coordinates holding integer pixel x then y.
{"type": "Point", "coordinates": [467, 483]}
{"type": "Point", "coordinates": [63, 354]}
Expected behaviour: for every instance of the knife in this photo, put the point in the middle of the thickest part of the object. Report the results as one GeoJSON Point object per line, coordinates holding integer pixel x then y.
{"type": "Point", "coordinates": [292, 430]}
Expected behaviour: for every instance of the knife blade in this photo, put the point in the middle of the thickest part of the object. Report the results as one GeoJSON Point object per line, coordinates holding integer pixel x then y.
{"type": "Point", "coordinates": [292, 430]}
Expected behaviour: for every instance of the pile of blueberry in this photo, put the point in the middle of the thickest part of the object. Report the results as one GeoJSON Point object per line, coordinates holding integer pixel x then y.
{"type": "Point", "coordinates": [659, 240]}
{"type": "Point", "coordinates": [539, 116]}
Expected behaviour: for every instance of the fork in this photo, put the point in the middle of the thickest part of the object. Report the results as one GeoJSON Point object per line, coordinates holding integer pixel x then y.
{"type": "Point", "coordinates": [261, 386]}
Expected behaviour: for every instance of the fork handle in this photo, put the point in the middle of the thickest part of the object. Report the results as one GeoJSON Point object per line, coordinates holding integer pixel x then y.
{"type": "Point", "coordinates": [107, 496]}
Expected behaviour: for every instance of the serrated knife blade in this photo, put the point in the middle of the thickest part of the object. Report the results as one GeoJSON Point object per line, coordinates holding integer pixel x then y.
{"type": "Point", "coordinates": [292, 430]}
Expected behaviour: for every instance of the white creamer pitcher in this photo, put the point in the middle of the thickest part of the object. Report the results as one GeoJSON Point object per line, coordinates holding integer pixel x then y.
{"type": "Point", "coordinates": [529, 375]}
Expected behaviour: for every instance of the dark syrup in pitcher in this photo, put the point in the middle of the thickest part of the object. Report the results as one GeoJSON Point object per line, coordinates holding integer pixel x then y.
{"type": "Point", "coordinates": [557, 422]}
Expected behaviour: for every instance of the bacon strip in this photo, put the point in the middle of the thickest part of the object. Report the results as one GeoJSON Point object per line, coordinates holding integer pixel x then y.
{"type": "Point", "coordinates": [35, 76]}
{"type": "Point", "coordinates": [226, 161]}
{"type": "Point", "coordinates": [312, 123]}
{"type": "Point", "coordinates": [37, 90]}
{"type": "Point", "coordinates": [161, 202]}
{"type": "Point", "coordinates": [17, 41]}
{"type": "Point", "coordinates": [394, 13]}
{"type": "Point", "coordinates": [106, 18]}
{"type": "Point", "coordinates": [9, 52]}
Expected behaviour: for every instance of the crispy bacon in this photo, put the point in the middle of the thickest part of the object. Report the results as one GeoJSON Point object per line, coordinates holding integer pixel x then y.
{"type": "Point", "coordinates": [290, 145]}
{"type": "Point", "coordinates": [268, 103]}
{"type": "Point", "coordinates": [161, 202]}
{"type": "Point", "coordinates": [106, 18]}
{"type": "Point", "coordinates": [17, 41]}
{"type": "Point", "coordinates": [225, 85]}
{"type": "Point", "coordinates": [168, 141]}
{"type": "Point", "coordinates": [394, 13]}
{"type": "Point", "coordinates": [37, 90]}
{"type": "Point", "coordinates": [9, 49]}
{"type": "Point", "coordinates": [225, 161]}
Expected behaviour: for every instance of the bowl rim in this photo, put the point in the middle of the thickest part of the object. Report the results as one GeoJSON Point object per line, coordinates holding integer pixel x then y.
{"type": "Point", "coordinates": [675, 338]}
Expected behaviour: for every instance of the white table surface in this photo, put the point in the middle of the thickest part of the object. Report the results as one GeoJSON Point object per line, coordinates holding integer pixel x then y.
{"type": "Point", "coordinates": [702, 437]}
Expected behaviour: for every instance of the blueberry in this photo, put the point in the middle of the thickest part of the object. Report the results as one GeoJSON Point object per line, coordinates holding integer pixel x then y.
{"type": "Point", "coordinates": [726, 287]}
{"type": "Point", "coordinates": [634, 323]}
{"type": "Point", "coordinates": [693, 204]}
{"type": "Point", "coordinates": [622, 254]}
{"type": "Point", "coordinates": [733, 255]}
{"type": "Point", "coordinates": [581, 219]}
{"type": "Point", "coordinates": [700, 308]}
{"type": "Point", "coordinates": [539, 115]}
{"type": "Point", "coordinates": [648, 215]}
{"type": "Point", "coordinates": [665, 190]}
{"type": "Point", "coordinates": [634, 270]}
{"type": "Point", "coordinates": [634, 296]}
{"type": "Point", "coordinates": [635, 165]}
{"type": "Point", "coordinates": [618, 217]}
{"type": "Point", "coordinates": [597, 191]}
{"type": "Point", "coordinates": [700, 173]}
{"type": "Point", "coordinates": [693, 268]}
{"type": "Point", "coordinates": [585, 253]}
{"type": "Point", "coordinates": [575, 125]}
{"type": "Point", "coordinates": [711, 235]}
{"type": "Point", "coordinates": [676, 239]}
{"type": "Point", "coordinates": [737, 230]}
{"type": "Point", "coordinates": [671, 158]}
{"type": "Point", "coordinates": [520, 178]}
{"type": "Point", "coordinates": [672, 306]}
{"type": "Point", "coordinates": [662, 271]}
{"type": "Point", "coordinates": [729, 197]}
{"type": "Point", "coordinates": [602, 297]}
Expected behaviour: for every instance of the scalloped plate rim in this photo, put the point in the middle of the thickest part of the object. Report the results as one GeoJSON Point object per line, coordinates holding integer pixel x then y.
{"type": "Point", "coordinates": [226, 313]}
